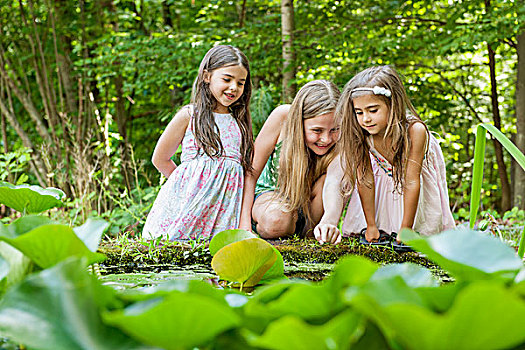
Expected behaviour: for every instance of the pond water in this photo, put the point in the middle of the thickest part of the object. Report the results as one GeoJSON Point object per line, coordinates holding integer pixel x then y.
{"type": "Point", "coordinates": [150, 275]}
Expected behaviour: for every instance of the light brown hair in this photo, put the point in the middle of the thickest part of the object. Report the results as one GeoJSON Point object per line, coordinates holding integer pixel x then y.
{"type": "Point", "coordinates": [204, 127]}
{"type": "Point", "coordinates": [300, 167]}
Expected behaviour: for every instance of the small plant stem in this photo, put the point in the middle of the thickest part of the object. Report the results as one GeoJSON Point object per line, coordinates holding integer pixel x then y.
{"type": "Point", "coordinates": [240, 289]}
{"type": "Point", "coordinates": [521, 247]}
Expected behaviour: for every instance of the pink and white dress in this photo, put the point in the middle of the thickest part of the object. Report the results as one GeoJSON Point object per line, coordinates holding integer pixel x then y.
{"type": "Point", "coordinates": [433, 211]}
{"type": "Point", "coordinates": [203, 195]}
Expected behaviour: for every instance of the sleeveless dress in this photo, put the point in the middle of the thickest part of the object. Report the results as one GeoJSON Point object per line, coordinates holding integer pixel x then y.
{"type": "Point", "coordinates": [433, 213]}
{"type": "Point", "coordinates": [203, 195]}
{"type": "Point", "coordinates": [267, 181]}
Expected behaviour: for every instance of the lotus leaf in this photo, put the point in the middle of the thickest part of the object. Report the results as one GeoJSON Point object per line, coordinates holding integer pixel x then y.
{"type": "Point", "coordinates": [91, 232]}
{"type": "Point", "coordinates": [291, 332]}
{"type": "Point", "coordinates": [58, 308]}
{"type": "Point", "coordinates": [484, 316]}
{"type": "Point", "coordinates": [176, 321]}
{"type": "Point", "coordinates": [244, 261]}
{"type": "Point", "coordinates": [49, 244]}
{"type": "Point", "coordinates": [226, 237]}
{"type": "Point", "coordinates": [466, 254]}
{"type": "Point", "coordinates": [30, 199]}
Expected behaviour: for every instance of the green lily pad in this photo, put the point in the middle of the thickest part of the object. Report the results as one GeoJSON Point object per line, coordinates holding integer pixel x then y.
{"type": "Point", "coordinates": [468, 255]}
{"type": "Point", "coordinates": [226, 237]}
{"type": "Point", "coordinates": [30, 199]}
{"type": "Point", "coordinates": [14, 266]}
{"type": "Point", "coordinates": [244, 261]}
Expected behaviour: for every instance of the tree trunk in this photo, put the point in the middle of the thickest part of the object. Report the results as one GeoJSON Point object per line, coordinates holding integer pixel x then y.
{"type": "Point", "coordinates": [242, 13]}
{"type": "Point", "coordinates": [287, 25]}
{"type": "Point", "coordinates": [502, 168]}
{"type": "Point", "coordinates": [519, 173]}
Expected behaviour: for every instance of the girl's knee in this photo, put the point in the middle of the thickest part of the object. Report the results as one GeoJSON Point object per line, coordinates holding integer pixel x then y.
{"type": "Point", "coordinates": [276, 226]}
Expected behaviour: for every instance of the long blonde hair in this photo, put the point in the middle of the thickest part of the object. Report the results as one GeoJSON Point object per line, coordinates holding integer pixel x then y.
{"type": "Point", "coordinates": [300, 167]}
{"type": "Point", "coordinates": [204, 127]}
{"type": "Point", "coordinates": [354, 147]}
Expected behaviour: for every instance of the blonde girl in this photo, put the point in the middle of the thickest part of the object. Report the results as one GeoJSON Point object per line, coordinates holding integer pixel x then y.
{"type": "Point", "coordinates": [292, 152]}
{"type": "Point", "coordinates": [392, 160]}
{"type": "Point", "coordinates": [202, 195]}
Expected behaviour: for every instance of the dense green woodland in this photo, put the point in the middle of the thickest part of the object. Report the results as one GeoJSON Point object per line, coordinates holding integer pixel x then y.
{"type": "Point", "coordinates": [87, 87]}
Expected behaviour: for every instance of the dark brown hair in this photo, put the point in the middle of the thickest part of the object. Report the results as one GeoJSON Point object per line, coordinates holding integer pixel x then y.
{"type": "Point", "coordinates": [204, 127]}
{"type": "Point", "coordinates": [354, 147]}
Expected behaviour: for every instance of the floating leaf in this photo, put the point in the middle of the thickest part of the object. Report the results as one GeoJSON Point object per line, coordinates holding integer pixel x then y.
{"type": "Point", "coordinates": [226, 237]}
{"type": "Point", "coordinates": [30, 199]}
{"type": "Point", "coordinates": [466, 254]}
{"type": "Point", "coordinates": [245, 261]}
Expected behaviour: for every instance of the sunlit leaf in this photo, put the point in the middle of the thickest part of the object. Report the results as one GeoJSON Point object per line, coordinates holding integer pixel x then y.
{"type": "Point", "coordinates": [468, 255]}
{"type": "Point", "coordinates": [226, 237]}
{"type": "Point", "coordinates": [176, 321]}
{"type": "Point", "coordinates": [245, 261]}
{"type": "Point", "coordinates": [30, 199]}
{"type": "Point", "coordinates": [49, 244]}
{"type": "Point", "coordinates": [58, 308]}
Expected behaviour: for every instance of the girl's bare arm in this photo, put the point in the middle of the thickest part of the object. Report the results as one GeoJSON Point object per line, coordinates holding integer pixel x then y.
{"type": "Point", "coordinates": [417, 133]}
{"type": "Point", "coordinates": [366, 189]}
{"type": "Point", "coordinates": [326, 231]}
{"type": "Point", "coordinates": [169, 141]}
{"type": "Point", "coordinates": [264, 146]}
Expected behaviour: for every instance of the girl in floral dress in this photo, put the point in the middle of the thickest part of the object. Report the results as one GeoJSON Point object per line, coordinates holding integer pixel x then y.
{"type": "Point", "coordinates": [390, 164]}
{"type": "Point", "coordinates": [203, 195]}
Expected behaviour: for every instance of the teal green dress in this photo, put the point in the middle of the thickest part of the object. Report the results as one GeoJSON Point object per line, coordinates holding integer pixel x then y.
{"type": "Point", "coordinates": [268, 179]}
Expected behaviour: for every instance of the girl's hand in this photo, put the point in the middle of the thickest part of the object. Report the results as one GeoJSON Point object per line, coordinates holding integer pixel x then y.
{"type": "Point", "coordinates": [327, 233]}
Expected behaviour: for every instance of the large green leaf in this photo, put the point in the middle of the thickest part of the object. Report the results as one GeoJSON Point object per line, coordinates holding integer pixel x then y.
{"type": "Point", "coordinates": [49, 244]}
{"type": "Point", "coordinates": [350, 271]}
{"type": "Point", "coordinates": [176, 321]}
{"type": "Point", "coordinates": [291, 332]}
{"type": "Point", "coordinates": [13, 266]}
{"type": "Point", "coordinates": [226, 237]}
{"type": "Point", "coordinates": [245, 261]}
{"type": "Point", "coordinates": [413, 275]}
{"type": "Point", "coordinates": [468, 255]}
{"type": "Point", "coordinates": [59, 308]}
{"type": "Point", "coordinates": [30, 199]}
{"type": "Point", "coordinates": [91, 232]}
{"type": "Point", "coordinates": [484, 316]}
{"type": "Point", "coordinates": [23, 225]}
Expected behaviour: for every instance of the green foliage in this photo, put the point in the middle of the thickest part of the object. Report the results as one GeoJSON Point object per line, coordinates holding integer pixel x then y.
{"type": "Point", "coordinates": [477, 173]}
{"type": "Point", "coordinates": [15, 164]}
{"type": "Point", "coordinates": [361, 304]}
{"type": "Point", "coordinates": [30, 199]}
{"type": "Point", "coordinates": [37, 240]}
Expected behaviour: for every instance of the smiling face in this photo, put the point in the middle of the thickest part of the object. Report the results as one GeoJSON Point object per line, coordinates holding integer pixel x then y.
{"type": "Point", "coordinates": [226, 85]}
{"type": "Point", "coordinates": [372, 113]}
{"type": "Point", "coordinates": [321, 133]}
